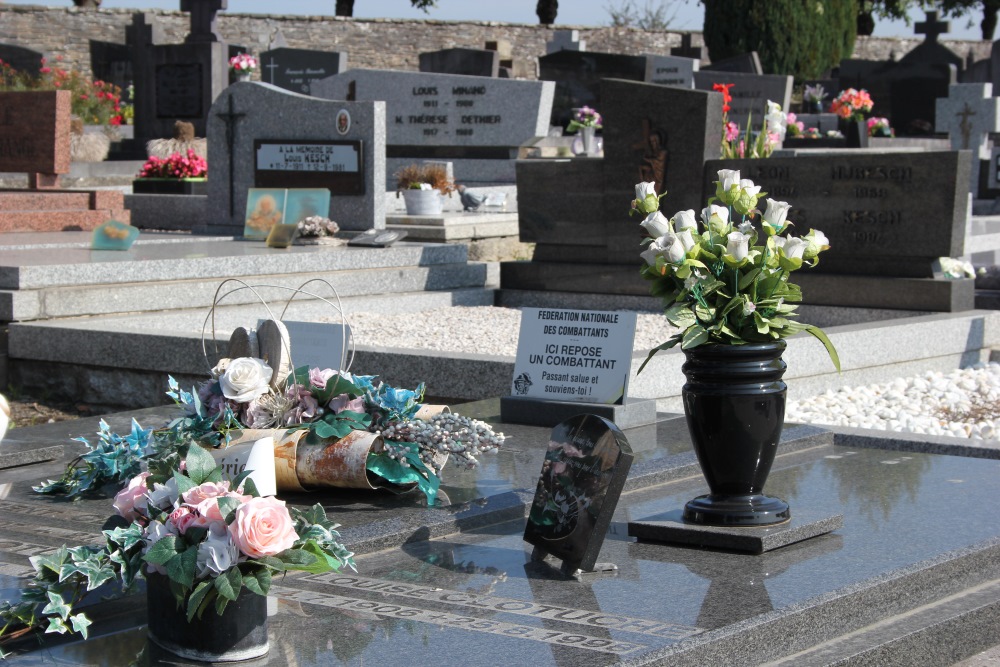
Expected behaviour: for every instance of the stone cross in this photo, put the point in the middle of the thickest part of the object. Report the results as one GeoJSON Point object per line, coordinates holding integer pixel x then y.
{"type": "Point", "coordinates": [230, 118]}
{"type": "Point", "coordinates": [931, 27]}
{"type": "Point", "coordinates": [565, 40]}
{"type": "Point", "coordinates": [685, 50]}
{"type": "Point", "coordinates": [969, 114]}
{"type": "Point", "coordinates": [204, 26]}
{"type": "Point", "coordinates": [273, 65]}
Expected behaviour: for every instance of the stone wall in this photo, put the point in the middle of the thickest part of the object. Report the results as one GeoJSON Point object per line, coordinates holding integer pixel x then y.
{"type": "Point", "coordinates": [373, 43]}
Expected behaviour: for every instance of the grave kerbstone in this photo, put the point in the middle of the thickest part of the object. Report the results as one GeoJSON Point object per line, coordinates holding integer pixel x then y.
{"type": "Point", "coordinates": [469, 62]}
{"type": "Point", "coordinates": [298, 69]}
{"type": "Point", "coordinates": [578, 77]}
{"type": "Point", "coordinates": [586, 463]}
{"type": "Point", "coordinates": [671, 70]}
{"type": "Point", "coordinates": [476, 122]}
{"type": "Point", "coordinates": [969, 114]}
{"type": "Point", "coordinates": [244, 130]}
{"type": "Point", "coordinates": [750, 92]}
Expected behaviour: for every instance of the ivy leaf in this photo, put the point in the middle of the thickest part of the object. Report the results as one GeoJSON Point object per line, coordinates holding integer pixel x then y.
{"type": "Point", "coordinates": [80, 623]}
{"type": "Point", "coordinates": [58, 606]}
{"type": "Point", "coordinates": [56, 624]}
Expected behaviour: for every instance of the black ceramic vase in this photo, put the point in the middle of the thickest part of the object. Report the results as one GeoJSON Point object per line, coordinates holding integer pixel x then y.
{"type": "Point", "coordinates": [734, 400]}
{"type": "Point", "coordinates": [855, 132]}
{"type": "Point", "coordinates": [240, 633]}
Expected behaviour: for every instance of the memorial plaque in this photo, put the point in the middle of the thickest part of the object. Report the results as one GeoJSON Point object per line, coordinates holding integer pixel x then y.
{"type": "Point", "coordinates": [336, 165]}
{"type": "Point", "coordinates": [179, 91]}
{"type": "Point", "coordinates": [574, 355]}
{"type": "Point", "coordinates": [298, 69]}
{"type": "Point", "coordinates": [585, 467]}
{"type": "Point", "coordinates": [34, 131]}
{"type": "Point", "coordinates": [671, 70]}
{"type": "Point", "coordinates": [885, 214]}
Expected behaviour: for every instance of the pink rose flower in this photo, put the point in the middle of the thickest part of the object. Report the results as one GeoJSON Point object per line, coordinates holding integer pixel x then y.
{"type": "Point", "coordinates": [209, 507]}
{"type": "Point", "coordinates": [318, 378]}
{"type": "Point", "coordinates": [204, 491]}
{"type": "Point", "coordinates": [263, 527]}
{"type": "Point", "coordinates": [131, 500]}
{"type": "Point", "coordinates": [344, 402]}
{"type": "Point", "coordinates": [182, 518]}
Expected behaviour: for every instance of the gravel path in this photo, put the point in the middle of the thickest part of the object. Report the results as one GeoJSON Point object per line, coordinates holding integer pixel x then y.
{"type": "Point", "coordinates": [964, 403]}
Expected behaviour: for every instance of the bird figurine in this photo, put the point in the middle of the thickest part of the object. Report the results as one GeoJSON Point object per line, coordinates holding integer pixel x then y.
{"type": "Point", "coordinates": [470, 201]}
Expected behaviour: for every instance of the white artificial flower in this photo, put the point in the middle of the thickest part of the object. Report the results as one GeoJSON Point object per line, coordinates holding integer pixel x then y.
{"type": "Point", "coordinates": [737, 246]}
{"type": "Point", "coordinates": [687, 241]}
{"type": "Point", "coordinates": [728, 178]}
{"type": "Point", "coordinates": [643, 190]}
{"type": "Point", "coordinates": [776, 215]}
{"type": "Point", "coordinates": [793, 248]}
{"type": "Point", "coordinates": [685, 220]}
{"type": "Point", "coordinates": [652, 251]}
{"type": "Point", "coordinates": [245, 379]}
{"type": "Point", "coordinates": [714, 209]}
{"type": "Point", "coordinates": [673, 249]}
{"type": "Point", "coordinates": [656, 224]}
{"type": "Point", "coordinates": [164, 495]}
{"type": "Point", "coordinates": [748, 188]}
{"type": "Point", "coordinates": [217, 553]}
{"type": "Point", "coordinates": [745, 228]}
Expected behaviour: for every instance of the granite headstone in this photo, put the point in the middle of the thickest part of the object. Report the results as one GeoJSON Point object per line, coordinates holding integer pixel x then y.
{"type": "Point", "coordinates": [20, 58]}
{"type": "Point", "coordinates": [745, 63]}
{"type": "Point", "coordinates": [686, 49]}
{"type": "Point", "coordinates": [470, 62]}
{"type": "Point", "coordinates": [578, 77]}
{"type": "Point", "coordinates": [565, 40]}
{"type": "Point", "coordinates": [586, 464]}
{"type": "Point", "coordinates": [969, 114]}
{"type": "Point", "coordinates": [886, 214]}
{"type": "Point", "coordinates": [476, 122]}
{"type": "Point", "coordinates": [245, 134]}
{"type": "Point", "coordinates": [671, 70]}
{"type": "Point", "coordinates": [297, 69]}
{"type": "Point", "coordinates": [750, 92]}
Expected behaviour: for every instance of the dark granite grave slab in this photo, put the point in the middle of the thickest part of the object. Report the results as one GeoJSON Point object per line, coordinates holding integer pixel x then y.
{"type": "Point", "coordinates": [914, 203]}
{"type": "Point", "coordinates": [578, 77]}
{"type": "Point", "coordinates": [454, 585]}
{"type": "Point", "coordinates": [751, 93]}
{"type": "Point", "coordinates": [671, 528]}
{"type": "Point", "coordinates": [472, 62]}
{"type": "Point", "coordinates": [537, 412]}
{"type": "Point", "coordinates": [745, 63]}
{"type": "Point", "coordinates": [297, 69]}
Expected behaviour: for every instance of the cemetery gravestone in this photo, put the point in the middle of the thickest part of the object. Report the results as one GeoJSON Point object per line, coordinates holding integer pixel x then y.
{"type": "Point", "coordinates": [20, 58]}
{"type": "Point", "coordinates": [578, 77]}
{"type": "Point", "coordinates": [889, 215]}
{"type": "Point", "coordinates": [652, 133]}
{"type": "Point", "coordinates": [111, 62]}
{"type": "Point", "coordinates": [565, 40]}
{"type": "Point", "coordinates": [746, 63]}
{"type": "Point", "coordinates": [475, 122]}
{"type": "Point", "coordinates": [750, 92]}
{"type": "Point", "coordinates": [470, 62]}
{"type": "Point", "coordinates": [586, 464]}
{"type": "Point", "coordinates": [298, 69]}
{"type": "Point", "coordinates": [312, 143]}
{"type": "Point", "coordinates": [931, 51]}
{"type": "Point", "coordinates": [686, 49]}
{"type": "Point", "coordinates": [969, 114]}
{"type": "Point", "coordinates": [671, 70]}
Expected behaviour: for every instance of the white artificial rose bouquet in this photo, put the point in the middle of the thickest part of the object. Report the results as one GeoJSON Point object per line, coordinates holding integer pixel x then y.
{"type": "Point", "coordinates": [245, 379]}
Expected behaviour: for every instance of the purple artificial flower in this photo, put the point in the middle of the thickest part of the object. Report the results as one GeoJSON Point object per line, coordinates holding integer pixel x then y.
{"type": "Point", "coordinates": [318, 378]}
{"type": "Point", "coordinates": [344, 402]}
{"type": "Point", "coordinates": [305, 407]}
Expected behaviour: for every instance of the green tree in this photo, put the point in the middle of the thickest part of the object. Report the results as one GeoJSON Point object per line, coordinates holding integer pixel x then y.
{"type": "Point", "coordinates": [798, 37]}
{"type": "Point", "coordinates": [547, 11]}
{"type": "Point", "coordinates": [346, 7]}
{"type": "Point", "coordinates": [957, 8]}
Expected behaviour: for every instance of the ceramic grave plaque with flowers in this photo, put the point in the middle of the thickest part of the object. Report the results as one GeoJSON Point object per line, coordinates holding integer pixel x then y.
{"type": "Point", "coordinates": [725, 286]}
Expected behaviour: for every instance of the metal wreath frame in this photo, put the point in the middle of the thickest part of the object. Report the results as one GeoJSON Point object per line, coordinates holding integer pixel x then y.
{"type": "Point", "coordinates": [338, 307]}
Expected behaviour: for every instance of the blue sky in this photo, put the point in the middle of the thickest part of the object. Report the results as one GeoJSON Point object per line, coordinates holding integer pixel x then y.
{"type": "Point", "coordinates": [571, 12]}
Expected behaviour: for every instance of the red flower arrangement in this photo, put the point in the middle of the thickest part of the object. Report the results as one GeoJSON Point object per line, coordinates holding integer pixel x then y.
{"type": "Point", "coordinates": [176, 166]}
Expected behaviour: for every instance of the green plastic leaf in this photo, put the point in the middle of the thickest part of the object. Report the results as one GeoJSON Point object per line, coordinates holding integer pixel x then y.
{"type": "Point", "coordinates": [663, 346]}
{"type": "Point", "coordinates": [183, 567]}
{"type": "Point", "coordinates": [830, 349]}
{"type": "Point", "coordinates": [258, 581]}
{"type": "Point", "coordinates": [694, 336]}
{"type": "Point", "coordinates": [229, 583]}
{"type": "Point", "coordinates": [200, 465]}
{"type": "Point", "coordinates": [56, 624]}
{"type": "Point", "coordinates": [296, 559]}
{"type": "Point", "coordinates": [197, 597]}
{"type": "Point", "coordinates": [164, 549]}
{"type": "Point", "coordinates": [227, 507]}
{"type": "Point", "coordinates": [56, 605]}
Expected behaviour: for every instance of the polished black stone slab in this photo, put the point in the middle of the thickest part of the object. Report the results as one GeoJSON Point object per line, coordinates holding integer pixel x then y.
{"type": "Point", "coordinates": [671, 528]}
{"type": "Point", "coordinates": [539, 412]}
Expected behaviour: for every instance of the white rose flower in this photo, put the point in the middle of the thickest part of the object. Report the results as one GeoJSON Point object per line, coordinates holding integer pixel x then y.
{"type": "Point", "coordinates": [793, 248]}
{"type": "Point", "coordinates": [745, 228]}
{"type": "Point", "coordinates": [652, 251]}
{"type": "Point", "coordinates": [217, 553]}
{"type": "Point", "coordinates": [738, 246]}
{"type": "Point", "coordinates": [748, 188]}
{"type": "Point", "coordinates": [817, 243]}
{"type": "Point", "coordinates": [245, 379]}
{"type": "Point", "coordinates": [775, 215]}
{"type": "Point", "coordinates": [673, 249]}
{"type": "Point", "coordinates": [685, 220]}
{"type": "Point", "coordinates": [687, 241]}
{"type": "Point", "coordinates": [656, 224]}
{"type": "Point", "coordinates": [714, 209]}
{"type": "Point", "coordinates": [643, 190]}
{"type": "Point", "coordinates": [728, 178]}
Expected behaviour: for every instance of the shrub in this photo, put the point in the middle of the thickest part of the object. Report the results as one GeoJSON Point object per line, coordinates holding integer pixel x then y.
{"type": "Point", "coordinates": [798, 37]}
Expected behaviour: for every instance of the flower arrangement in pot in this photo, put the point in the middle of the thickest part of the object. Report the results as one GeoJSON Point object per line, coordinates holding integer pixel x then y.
{"type": "Point", "coordinates": [243, 65]}
{"type": "Point", "coordinates": [586, 121]}
{"type": "Point", "coordinates": [207, 547]}
{"type": "Point", "coordinates": [176, 174]}
{"type": "Point", "coordinates": [725, 286]}
{"type": "Point", "coordinates": [851, 105]}
{"type": "Point", "coordinates": [422, 186]}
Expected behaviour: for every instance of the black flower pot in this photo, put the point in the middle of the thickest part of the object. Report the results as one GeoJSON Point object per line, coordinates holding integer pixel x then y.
{"type": "Point", "coordinates": [170, 186]}
{"type": "Point", "coordinates": [855, 132]}
{"type": "Point", "coordinates": [240, 633]}
{"type": "Point", "coordinates": [734, 400]}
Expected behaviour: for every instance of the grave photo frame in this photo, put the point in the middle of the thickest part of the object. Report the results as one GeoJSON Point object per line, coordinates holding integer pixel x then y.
{"type": "Point", "coordinates": [265, 209]}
